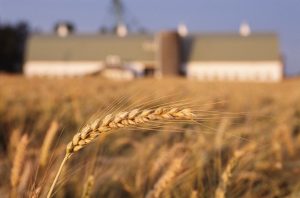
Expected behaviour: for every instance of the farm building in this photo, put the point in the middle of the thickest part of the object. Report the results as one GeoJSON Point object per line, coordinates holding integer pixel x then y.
{"type": "Point", "coordinates": [77, 55]}
{"type": "Point", "coordinates": [235, 57]}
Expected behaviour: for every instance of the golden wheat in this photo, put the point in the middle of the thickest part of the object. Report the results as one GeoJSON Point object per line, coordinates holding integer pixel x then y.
{"type": "Point", "coordinates": [35, 193]}
{"type": "Point", "coordinates": [121, 120]}
{"type": "Point", "coordinates": [47, 143]}
{"type": "Point", "coordinates": [209, 146]}
{"type": "Point", "coordinates": [227, 173]}
{"type": "Point", "coordinates": [18, 163]}
{"type": "Point", "coordinates": [173, 170]}
{"type": "Point", "coordinates": [14, 142]}
{"type": "Point", "coordinates": [88, 187]}
{"type": "Point", "coordinates": [25, 177]}
{"type": "Point", "coordinates": [124, 119]}
{"type": "Point", "coordinates": [165, 158]}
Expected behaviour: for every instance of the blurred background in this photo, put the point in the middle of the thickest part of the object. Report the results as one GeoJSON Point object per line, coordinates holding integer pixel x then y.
{"type": "Point", "coordinates": [28, 27]}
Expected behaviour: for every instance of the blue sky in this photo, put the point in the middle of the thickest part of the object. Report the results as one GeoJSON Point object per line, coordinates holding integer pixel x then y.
{"type": "Point", "coordinates": [280, 16]}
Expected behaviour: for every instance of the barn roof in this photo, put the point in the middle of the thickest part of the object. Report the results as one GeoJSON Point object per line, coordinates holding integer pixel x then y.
{"type": "Point", "coordinates": [140, 47]}
{"type": "Point", "coordinates": [89, 47]}
{"type": "Point", "coordinates": [231, 47]}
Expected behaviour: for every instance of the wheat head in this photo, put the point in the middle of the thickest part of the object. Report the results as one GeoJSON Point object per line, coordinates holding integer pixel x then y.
{"type": "Point", "coordinates": [48, 140]}
{"type": "Point", "coordinates": [120, 120]}
{"type": "Point", "coordinates": [227, 173]}
{"type": "Point", "coordinates": [124, 119]}
{"type": "Point", "coordinates": [173, 170]}
{"type": "Point", "coordinates": [18, 163]}
{"type": "Point", "coordinates": [88, 187]}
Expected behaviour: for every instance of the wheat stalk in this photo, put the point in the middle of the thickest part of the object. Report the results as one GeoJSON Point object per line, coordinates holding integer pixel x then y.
{"type": "Point", "coordinates": [173, 170]}
{"type": "Point", "coordinates": [35, 193]}
{"type": "Point", "coordinates": [25, 177]}
{"type": "Point", "coordinates": [165, 158]}
{"type": "Point", "coordinates": [88, 187]}
{"type": "Point", "coordinates": [121, 120]}
{"type": "Point", "coordinates": [227, 173]}
{"type": "Point", "coordinates": [14, 141]}
{"type": "Point", "coordinates": [18, 163]}
{"type": "Point", "coordinates": [47, 143]}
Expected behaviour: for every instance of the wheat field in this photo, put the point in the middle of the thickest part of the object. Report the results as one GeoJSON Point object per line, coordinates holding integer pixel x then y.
{"type": "Point", "coordinates": [150, 138]}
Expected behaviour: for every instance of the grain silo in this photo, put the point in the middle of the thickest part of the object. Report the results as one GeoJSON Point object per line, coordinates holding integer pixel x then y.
{"type": "Point", "coordinates": [169, 53]}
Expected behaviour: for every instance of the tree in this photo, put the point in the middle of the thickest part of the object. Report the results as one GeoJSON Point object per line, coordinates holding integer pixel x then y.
{"type": "Point", "coordinates": [12, 42]}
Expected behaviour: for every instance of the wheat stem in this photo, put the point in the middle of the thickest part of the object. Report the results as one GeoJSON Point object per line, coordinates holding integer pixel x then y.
{"type": "Point", "coordinates": [67, 156]}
